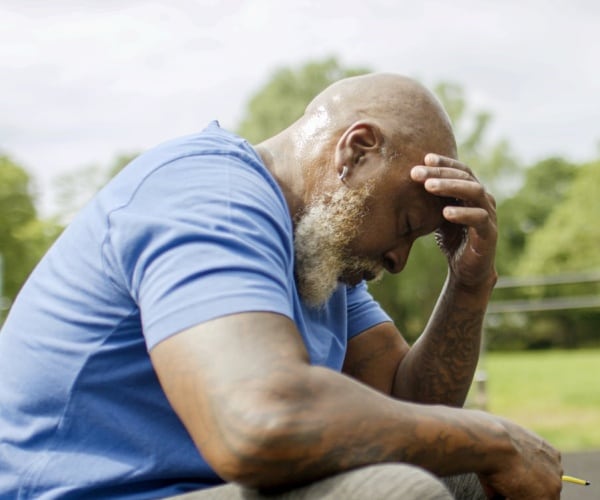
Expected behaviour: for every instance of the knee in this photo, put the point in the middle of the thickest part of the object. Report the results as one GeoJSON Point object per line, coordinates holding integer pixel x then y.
{"type": "Point", "coordinates": [390, 481]}
{"type": "Point", "coordinates": [465, 486]}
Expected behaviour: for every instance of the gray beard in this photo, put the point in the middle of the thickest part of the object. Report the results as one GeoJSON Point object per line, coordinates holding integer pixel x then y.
{"type": "Point", "coordinates": [321, 240]}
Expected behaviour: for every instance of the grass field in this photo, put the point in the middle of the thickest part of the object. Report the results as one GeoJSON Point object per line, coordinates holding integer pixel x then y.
{"type": "Point", "coordinates": [554, 393]}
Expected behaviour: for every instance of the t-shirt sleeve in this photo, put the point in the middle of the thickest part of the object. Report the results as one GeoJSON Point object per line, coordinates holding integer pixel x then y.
{"type": "Point", "coordinates": [363, 311]}
{"type": "Point", "coordinates": [203, 236]}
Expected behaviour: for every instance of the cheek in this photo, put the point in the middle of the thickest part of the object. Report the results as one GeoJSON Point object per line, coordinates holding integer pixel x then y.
{"type": "Point", "coordinates": [375, 236]}
{"type": "Point", "coordinates": [377, 228]}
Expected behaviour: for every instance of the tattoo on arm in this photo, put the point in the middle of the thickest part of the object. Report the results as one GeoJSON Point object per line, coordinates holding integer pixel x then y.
{"type": "Point", "coordinates": [441, 368]}
{"type": "Point", "coordinates": [341, 431]}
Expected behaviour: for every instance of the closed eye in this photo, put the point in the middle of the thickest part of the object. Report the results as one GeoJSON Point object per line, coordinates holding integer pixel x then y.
{"type": "Point", "coordinates": [407, 227]}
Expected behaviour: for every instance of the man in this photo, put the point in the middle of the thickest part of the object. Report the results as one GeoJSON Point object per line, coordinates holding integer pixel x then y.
{"type": "Point", "coordinates": [205, 319]}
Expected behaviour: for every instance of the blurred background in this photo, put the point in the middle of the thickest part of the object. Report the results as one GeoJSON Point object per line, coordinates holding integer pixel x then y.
{"type": "Point", "coordinates": [86, 85]}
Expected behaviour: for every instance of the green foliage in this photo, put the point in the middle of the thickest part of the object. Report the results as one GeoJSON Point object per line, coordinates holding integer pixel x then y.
{"type": "Point", "coordinates": [77, 187]}
{"type": "Point", "coordinates": [524, 213]}
{"type": "Point", "coordinates": [570, 237]}
{"type": "Point", "coordinates": [549, 228]}
{"type": "Point", "coordinates": [537, 331]}
{"type": "Point", "coordinates": [284, 98]}
{"type": "Point", "coordinates": [568, 241]}
{"type": "Point", "coordinates": [16, 204]}
{"type": "Point", "coordinates": [23, 237]}
{"type": "Point", "coordinates": [492, 162]}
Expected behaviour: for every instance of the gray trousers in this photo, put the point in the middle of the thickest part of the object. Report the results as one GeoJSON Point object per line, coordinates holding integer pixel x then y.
{"type": "Point", "coordinates": [375, 482]}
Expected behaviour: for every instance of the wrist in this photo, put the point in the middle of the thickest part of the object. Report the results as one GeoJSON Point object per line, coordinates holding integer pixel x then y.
{"type": "Point", "coordinates": [482, 286]}
{"type": "Point", "coordinates": [500, 449]}
{"type": "Point", "coordinates": [486, 436]}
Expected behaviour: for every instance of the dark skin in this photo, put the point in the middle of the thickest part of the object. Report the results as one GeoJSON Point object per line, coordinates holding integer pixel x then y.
{"type": "Point", "coordinates": [263, 416]}
{"type": "Point", "coordinates": [448, 350]}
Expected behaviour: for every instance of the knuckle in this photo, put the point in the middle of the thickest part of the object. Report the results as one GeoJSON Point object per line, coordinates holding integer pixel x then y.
{"type": "Point", "coordinates": [480, 191]}
{"type": "Point", "coordinates": [484, 217]}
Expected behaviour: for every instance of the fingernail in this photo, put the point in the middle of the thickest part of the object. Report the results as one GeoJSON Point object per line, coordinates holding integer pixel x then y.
{"type": "Point", "coordinates": [431, 158]}
{"type": "Point", "coordinates": [418, 173]}
{"type": "Point", "coordinates": [449, 211]}
{"type": "Point", "coordinates": [432, 184]}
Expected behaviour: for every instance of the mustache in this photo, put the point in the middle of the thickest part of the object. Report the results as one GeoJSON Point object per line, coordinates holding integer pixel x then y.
{"type": "Point", "coordinates": [322, 238]}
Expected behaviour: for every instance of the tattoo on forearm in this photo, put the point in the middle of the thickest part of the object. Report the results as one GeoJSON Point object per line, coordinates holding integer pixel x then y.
{"type": "Point", "coordinates": [288, 423]}
{"type": "Point", "coordinates": [446, 366]}
{"type": "Point", "coordinates": [320, 441]}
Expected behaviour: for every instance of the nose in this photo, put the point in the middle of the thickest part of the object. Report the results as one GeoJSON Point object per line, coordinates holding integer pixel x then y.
{"type": "Point", "coordinates": [395, 259]}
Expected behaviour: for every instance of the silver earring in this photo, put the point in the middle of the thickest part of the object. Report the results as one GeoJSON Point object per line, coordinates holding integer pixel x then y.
{"type": "Point", "coordinates": [342, 176]}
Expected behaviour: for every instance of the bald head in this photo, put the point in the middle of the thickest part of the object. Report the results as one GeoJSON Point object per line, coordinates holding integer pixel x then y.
{"type": "Point", "coordinates": [409, 115]}
{"type": "Point", "coordinates": [377, 119]}
{"type": "Point", "coordinates": [344, 169]}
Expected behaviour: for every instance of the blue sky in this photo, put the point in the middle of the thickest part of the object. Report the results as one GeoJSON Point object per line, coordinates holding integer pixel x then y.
{"type": "Point", "coordinates": [82, 81]}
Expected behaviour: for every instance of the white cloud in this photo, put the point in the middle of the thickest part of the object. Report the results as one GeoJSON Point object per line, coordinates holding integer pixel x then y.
{"type": "Point", "coordinates": [84, 80]}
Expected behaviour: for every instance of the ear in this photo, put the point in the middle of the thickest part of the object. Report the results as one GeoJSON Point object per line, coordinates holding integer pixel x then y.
{"type": "Point", "coordinates": [360, 143]}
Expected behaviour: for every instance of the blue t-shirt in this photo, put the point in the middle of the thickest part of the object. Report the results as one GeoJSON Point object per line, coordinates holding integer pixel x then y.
{"type": "Point", "coordinates": [194, 229]}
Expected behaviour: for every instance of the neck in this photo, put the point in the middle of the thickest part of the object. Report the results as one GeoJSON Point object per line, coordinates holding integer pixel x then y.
{"type": "Point", "coordinates": [281, 157]}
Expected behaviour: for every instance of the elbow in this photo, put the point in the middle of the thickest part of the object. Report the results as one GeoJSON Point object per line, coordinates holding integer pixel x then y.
{"type": "Point", "coordinates": [244, 455]}
{"type": "Point", "coordinates": [257, 448]}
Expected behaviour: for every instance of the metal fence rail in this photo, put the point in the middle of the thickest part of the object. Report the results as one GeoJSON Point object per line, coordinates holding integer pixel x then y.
{"type": "Point", "coordinates": [549, 303]}
{"type": "Point", "coordinates": [479, 394]}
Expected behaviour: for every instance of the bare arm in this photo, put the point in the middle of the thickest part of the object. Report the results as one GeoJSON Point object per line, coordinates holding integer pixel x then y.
{"type": "Point", "coordinates": [262, 416]}
{"type": "Point", "coordinates": [438, 369]}
{"type": "Point", "coordinates": [440, 366]}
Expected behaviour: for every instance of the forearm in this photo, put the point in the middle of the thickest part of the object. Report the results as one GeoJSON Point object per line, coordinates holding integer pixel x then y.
{"type": "Point", "coordinates": [439, 367]}
{"type": "Point", "coordinates": [338, 424]}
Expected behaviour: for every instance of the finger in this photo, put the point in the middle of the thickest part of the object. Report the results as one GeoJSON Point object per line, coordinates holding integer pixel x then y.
{"type": "Point", "coordinates": [467, 190]}
{"type": "Point", "coordinates": [474, 217]}
{"type": "Point", "coordinates": [435, 160]}
{"type": "Point", "coordinates": [422, 173]}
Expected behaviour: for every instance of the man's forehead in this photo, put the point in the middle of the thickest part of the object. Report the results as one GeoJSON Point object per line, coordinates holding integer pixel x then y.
{"type": "Point", "coordinates": [430, 209]}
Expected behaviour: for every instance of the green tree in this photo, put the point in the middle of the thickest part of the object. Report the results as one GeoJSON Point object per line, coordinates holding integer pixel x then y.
{"type": "Point", "coordinates": [75, 188]}
{"type": "Point", "coordinates": [569, 238]}
{"type": "Point", "coordinates": [551, 230]}
{"type": "Point", "coordinates": [23, 236]}
{"type": "Point", "coordinates": [521, 215]}
{"type": "Point", "coordinates": [492, 160]}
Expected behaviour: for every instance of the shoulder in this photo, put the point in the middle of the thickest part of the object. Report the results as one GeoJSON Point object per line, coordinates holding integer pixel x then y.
{"type": "Point", "coordinates": [363, 311]}
{"type": "Point", "coordinates": [200, 178]}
